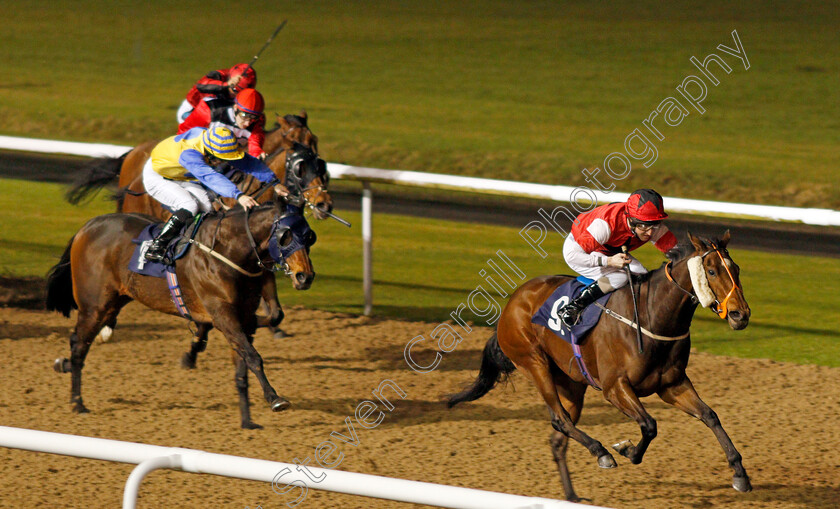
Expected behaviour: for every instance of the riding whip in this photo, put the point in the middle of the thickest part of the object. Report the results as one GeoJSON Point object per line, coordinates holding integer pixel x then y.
{"type": "Point", "coordinates": [635, 302]}
{"type": "Point", "coordinates": [276, 31]}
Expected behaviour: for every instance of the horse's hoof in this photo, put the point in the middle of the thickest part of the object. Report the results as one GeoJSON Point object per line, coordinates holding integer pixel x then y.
{"type": "Point", "coordinates": [280, 405]}
{"type": "Point", "coordinates": [187, 361]}
{"type": "Point", "coordinates": [280, 334]}
{"type": "Point", "coordinates": [105, 335]}
{"type": "Point", "coordinates": [607, 461]}
{"type": "Point", "coordinates": [742, 484]}
{"type": "Point", "coordinates": [251, 425]}
{"type": "Point", "coordinates": [623, 447]}
{"type": "Point", "coordinates": [62, 365]}
{"type": "Point", "coordinates": [79, 408]}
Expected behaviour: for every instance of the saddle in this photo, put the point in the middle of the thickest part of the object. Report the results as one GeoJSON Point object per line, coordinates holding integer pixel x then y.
{"type": "Point", "coordinates": [174, 251]}
{"type": "Point", "coordinates": [548, 314]}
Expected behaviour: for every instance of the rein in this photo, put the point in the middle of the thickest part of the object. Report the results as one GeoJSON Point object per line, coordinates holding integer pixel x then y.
{"type": "Point", "coordinates": [720, 308]}
{"type": "Point", "coordinates": [212, 252]}
{"type": "Point", "coordinates": [636, 326]}
{"type": "Point", "coordinates": [263, 266]}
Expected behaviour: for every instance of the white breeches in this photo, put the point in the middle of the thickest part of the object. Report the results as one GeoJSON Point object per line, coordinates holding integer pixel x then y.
{"type": "Point", "coordinates": [579, 261]}
{"type": "Point", "coordinates": [176, 194]}
{"type": "Point", "coordinates": [184, 111]}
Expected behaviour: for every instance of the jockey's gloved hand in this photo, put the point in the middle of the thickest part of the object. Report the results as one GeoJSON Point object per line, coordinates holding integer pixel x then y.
{"type": "Point", "coordinates": [618, 260]}
{"type": "Point", "coordinates": [246, 201]}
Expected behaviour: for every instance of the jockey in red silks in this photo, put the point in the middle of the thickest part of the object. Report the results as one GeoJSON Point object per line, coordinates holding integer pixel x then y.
{"type": "Point", "coordinates": [593, 248]}
{"type": "Point", "coordinates": [220, 84]}
{"type": "Point", "coordinates": [243, 115]}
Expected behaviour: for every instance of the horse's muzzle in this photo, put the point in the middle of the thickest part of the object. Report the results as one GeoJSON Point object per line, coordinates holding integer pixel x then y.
{"type": "Point", "coordinates": [303, 280]}
{"type": "Point", "coordinates": [738, 320]}
{"type": "Point", "coordinates": [321, 209]}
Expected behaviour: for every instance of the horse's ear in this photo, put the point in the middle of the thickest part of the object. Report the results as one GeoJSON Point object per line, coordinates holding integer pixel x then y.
{"type": "Point", "coordinates": [724, 240]}
{"type": "Point", "coordinates": [697, 242]}
{"type": "Point", "coordinates": [282, 121]}
{"type": "Point", "coordinates": [303, 116]}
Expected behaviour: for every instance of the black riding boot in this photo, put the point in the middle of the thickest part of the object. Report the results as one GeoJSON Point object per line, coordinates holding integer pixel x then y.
{"type": "Point", "coordinates": [570, 313]}
{"type": "Point", "coordinates": [169, 230]}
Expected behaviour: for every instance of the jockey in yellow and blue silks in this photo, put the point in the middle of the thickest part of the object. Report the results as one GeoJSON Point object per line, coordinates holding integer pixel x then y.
{"type": "Point", "coordinates": [182, 168]}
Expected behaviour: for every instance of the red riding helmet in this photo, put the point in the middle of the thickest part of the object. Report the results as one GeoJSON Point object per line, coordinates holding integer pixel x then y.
{"type": "Point", "coordinates": [645, 205]}
{"type": "Point", "coordinates": [250, 101]}
{"type": "Point", "coordinates": [249, 76]}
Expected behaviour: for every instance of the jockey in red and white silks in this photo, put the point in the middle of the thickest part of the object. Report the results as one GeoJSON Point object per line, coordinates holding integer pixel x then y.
{"type": "Point", "coordinates": [593, 248]}
{"type": "Point", "coordinates": [219, 84]}
{"type": "Point", "coordinates": [243, 116]}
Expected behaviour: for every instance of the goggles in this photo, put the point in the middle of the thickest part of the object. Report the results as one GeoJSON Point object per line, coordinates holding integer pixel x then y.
{"type": "Point", "coordinates": [646, 227]}
{"type": "Point", "coordinates": [247, 116]}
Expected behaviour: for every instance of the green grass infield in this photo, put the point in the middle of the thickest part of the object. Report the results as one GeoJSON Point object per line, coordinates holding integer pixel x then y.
{"type": "Point", "coordinates": [424, 268]}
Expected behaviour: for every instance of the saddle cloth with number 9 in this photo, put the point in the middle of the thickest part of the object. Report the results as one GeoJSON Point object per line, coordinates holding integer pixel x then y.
{"type": "Point", "coordinates": [549, 316]}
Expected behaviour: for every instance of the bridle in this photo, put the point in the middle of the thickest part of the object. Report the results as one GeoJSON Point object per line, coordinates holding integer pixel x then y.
{"type": "Point", "coordinates": [720, 308]}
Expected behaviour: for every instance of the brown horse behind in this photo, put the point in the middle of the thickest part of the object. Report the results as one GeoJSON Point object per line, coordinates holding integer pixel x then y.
{"type": "Point", "coordinates": [93, 276]}
{"type": "Point", "coordinates": [611, 356]}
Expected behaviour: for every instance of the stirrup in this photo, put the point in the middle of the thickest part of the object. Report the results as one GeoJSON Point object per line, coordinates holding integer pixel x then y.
{"type": "Point", "coordinates": [570, 314]}
{"type": "Point", "coordinates": [157, 256]}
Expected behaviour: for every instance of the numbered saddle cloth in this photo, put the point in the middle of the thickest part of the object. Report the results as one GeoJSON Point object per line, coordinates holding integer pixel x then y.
{"type": "Point", "coordinates": [549, 313]}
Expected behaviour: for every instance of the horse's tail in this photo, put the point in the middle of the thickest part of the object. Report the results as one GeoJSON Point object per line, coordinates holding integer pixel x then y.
{"type": "Point", "coordinates": [495, 366]}
{"type": "Point", "coordinates": [60, 285]}
{"type": "Point", "coordinates": [96, 175]}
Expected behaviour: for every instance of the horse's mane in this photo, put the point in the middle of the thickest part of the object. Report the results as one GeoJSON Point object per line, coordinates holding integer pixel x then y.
{"type": "Point", "coordinates": [679, 252]}
{"type": "Point", "coordinates": [294, 120]}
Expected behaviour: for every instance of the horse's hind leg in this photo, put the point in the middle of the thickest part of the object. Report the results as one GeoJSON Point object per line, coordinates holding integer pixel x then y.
{"type": "Point", "coordinates": [540, 374]}
{"type": "Point", "coordinates": [198, 345]}
{"type": "Point", "coordinates": [87, 326]}
{"type": "Point", "coordinates": [571, 396]}
{"type": "Point", "coordinates": [684, 397]}
{"type": "Point", "coordinates": [622, 396]}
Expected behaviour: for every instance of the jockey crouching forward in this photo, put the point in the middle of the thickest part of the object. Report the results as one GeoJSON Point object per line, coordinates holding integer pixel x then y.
{"type": "Point", "coordinates": [593, 248]}
{"type": "Point", "coordinates": [223, 83]}
{"type": "Point", "coordinates": [242, 115]}
{"type": "Point", "coordinates": [182, 168]}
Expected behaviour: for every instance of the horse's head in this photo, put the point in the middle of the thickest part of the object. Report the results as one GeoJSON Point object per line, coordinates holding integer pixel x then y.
{"type": "Point", "coordinates": [289, 246]}
{"type": "Point", "coordinates": [716, 280]}
{"type": "Point", "coordinates": [293, 129]}
{"type": "Point", "coordinates": [305, 176]}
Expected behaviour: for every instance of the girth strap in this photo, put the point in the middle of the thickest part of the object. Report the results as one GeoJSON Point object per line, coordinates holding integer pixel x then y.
{"type": "Point", "coordinates": [177, 296]}
{"type": "Point", "coordinates": [632, 324]}
{"type": "Point", "coordinates": [582, 365]}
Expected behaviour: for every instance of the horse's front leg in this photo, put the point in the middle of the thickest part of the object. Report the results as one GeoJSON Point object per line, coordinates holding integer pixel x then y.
{"type": "Point", "coordinates": [684, 397]}
{"type": "Point", "coordinates": [274, 313]}
{"type": "Point", "coordinates": [622, 396]}
{"type": "Point", "coordinates": [227, 323]}
{"type": "Point", "coordinates": [242, 387]}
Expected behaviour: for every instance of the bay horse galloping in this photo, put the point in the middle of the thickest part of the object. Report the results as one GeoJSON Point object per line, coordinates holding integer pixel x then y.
{"type": "Point", "coordinates": [609, 354]}
{"type": "Point", "coordinates": [291, 145]}
{"type": "Point", "coordinates": [222, 290]}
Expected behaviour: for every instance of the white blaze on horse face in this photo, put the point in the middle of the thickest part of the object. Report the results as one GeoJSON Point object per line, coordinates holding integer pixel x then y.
{"type": "Point", "coordinates": [700, 282]}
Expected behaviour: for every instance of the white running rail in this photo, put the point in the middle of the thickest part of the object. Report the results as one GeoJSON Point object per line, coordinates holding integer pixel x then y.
{"type": "Point", "coordinates": [152, 457]}
{"type": "Point", "coordinates": [823, 217]}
